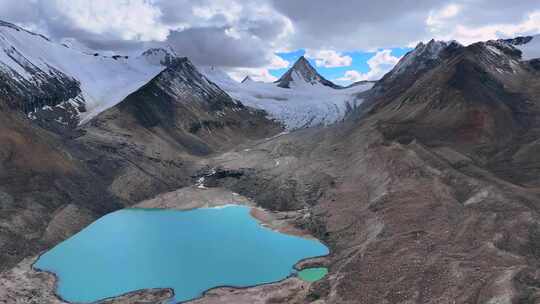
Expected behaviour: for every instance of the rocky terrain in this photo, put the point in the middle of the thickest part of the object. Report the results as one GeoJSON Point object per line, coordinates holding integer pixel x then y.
{"type": "Point", "coordinates": [427, 193]}
{"type": "Point", "coordinates": [56, 181]}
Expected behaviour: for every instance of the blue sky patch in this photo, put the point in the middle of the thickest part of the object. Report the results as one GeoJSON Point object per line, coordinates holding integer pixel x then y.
{"type": "Point", "coordinates": [359, 62]}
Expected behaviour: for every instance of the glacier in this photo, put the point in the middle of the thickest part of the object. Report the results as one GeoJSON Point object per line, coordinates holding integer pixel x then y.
{"type": "Point", "coordinates": [303, 105]}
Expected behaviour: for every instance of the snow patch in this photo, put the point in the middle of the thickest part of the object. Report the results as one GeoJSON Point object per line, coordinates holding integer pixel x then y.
{"type": "Point", "coordinates": [200, 183]}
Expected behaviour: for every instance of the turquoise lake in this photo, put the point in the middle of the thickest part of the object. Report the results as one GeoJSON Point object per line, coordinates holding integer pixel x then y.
{"type": "Point", "coordinates": [188, 251]}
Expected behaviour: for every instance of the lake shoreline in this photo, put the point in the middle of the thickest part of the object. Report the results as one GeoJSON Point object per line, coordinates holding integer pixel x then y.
{"type": "Point", "coordinates": [213, 198]}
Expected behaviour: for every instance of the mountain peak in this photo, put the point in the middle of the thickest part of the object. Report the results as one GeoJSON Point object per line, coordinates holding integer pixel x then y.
{"type": "Point", "coordinates": [303, 64]}
{"type": "Point", "coordinates": [303, 73]}
{"type": "Point", "coordinates": [424, 54]}
{"type": "Point", "coordinates": [247, 79]}
{"type": "Point", "coordinates": [159, 56]}
{"type": "Point", "coordinates": [302, 60]}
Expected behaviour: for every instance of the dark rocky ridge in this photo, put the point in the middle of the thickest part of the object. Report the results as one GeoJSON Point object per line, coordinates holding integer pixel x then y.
{"type": "Point", "coordinates": [415, 63]}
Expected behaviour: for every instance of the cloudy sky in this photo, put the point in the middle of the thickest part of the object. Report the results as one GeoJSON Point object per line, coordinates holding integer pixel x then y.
{"type": "Point", "coordinates": [346, 40]}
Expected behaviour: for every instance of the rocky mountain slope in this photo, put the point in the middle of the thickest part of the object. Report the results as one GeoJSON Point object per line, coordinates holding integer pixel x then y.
{"type": "Point", "coordinates": [46, 193]}
{"type": "Point", "coordinates": [480, 98]}
{"type": "Point", "coordinates": [158, 132]}
{"type": "Point", "coordinates": [428, 195]}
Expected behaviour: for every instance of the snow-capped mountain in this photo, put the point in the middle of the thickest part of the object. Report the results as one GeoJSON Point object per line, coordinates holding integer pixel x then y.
{"type": "Point", "coordinates": [492, 66]}
{"type": "Point", "coordinates": [306, 102]}
{"type": "Point", "coordinates": [182, 108]}
{"type": "Point", "coordinates": [528, 45]}
{"type": "Point", "coordinates": [41, 75]}
{"type": "Point", "coordinates": [302, 74]}
{"type": "Point", "coordinates": [423, 55]}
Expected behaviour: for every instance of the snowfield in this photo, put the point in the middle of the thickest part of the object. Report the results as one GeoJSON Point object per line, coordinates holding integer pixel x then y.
{"type": "Point", "coordinates": [104, 81]}
{"type": "Point", "coordinates": [303, 105]}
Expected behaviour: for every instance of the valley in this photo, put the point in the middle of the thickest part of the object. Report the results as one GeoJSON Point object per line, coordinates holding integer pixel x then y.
{"type": "Point", "coordinates": [423, 185]}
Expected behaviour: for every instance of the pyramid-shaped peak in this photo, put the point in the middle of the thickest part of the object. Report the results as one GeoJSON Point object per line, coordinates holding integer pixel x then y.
{"type": "Point", "coordinates": [303, 64]}
{"type": "Point", "coordinates": [302, 73]}
{"type": "Point", "coordinates": [302, 60]}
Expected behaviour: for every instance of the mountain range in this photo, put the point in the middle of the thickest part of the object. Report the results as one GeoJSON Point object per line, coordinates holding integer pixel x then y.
{"type": "Point", "coordinates": [424, 184]}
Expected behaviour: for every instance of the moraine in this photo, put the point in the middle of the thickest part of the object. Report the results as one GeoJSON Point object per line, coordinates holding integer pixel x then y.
{"type": "Point", "coordinates": [188, 251]}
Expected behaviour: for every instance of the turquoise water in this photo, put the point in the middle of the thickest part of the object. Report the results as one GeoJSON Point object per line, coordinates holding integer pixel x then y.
{"type": "Point", "coordinates": [313, 274]}
{"type": "Point", "coordinates": [189, 251]}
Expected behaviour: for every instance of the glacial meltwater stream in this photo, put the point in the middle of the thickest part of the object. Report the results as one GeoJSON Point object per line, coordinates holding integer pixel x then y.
{"type": "Point", "coordinates": [188, 251]}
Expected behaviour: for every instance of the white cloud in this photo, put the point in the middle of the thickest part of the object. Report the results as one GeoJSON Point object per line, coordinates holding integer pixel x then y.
{"type": "Point", "coordinates": [352, 76]}
{"type": "Point", "coordinates": [381, 63]}
{"type": "Point", "coordinates": [257, 74]}
{"type": "Point", "coordinates": [277, 62]}
{"type": "Point", "coordinates": [449, 28]}
{"type": "Point", "coordinates": [230, 10]}
{"type": "Point", "coordinates": [329, 58]}
{"type": "Point", "coordinates": [127, 20]}
{"type": "Point", "coordinates": [439, 17]}
{"type": "Point", "coordinates": [230, 33]}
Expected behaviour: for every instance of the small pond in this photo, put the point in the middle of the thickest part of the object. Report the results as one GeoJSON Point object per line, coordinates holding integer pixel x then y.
{"type": "Point", "coordinates": [312, 274]}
